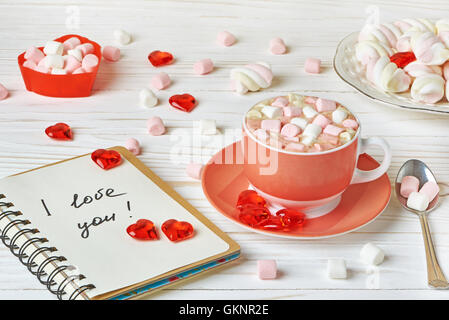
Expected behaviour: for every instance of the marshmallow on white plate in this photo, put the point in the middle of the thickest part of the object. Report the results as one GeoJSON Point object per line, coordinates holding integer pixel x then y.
{"type": "Point", "coordinates": [336, 268]}
{"type": "Point", "coordinates": [339, 115]}
{"type": "Point", "coordinates": [372, 254]}
{"type": "Point", "coordinates": [207, 127]}
{"type": "Point", "coordinates": [312, 130]}
{"type": "Point", "coordinates": [122, 37]}
{"type": "Point", "coordinates": [300, 122]}
{"type": "Point", "coordinates": [272, 112]}
{"type": "Point", "coordinates": [309, 112]}
{"type": "Point", "coordinates": [147, 98]}
{"type": "Point", "coordinates": [428, 88]}
{"type": "Point", "coordinates": [54, 61]}
{"type": "Point", "coordinates": [418, 201]}
{"type": "Point", "coordinates": [76, 53]}
{"type": "Point", "coordinates": [54, 47]}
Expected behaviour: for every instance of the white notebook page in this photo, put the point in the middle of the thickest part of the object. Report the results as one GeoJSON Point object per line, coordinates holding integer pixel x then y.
{"type": "Point", "coordinates": [105, 253]}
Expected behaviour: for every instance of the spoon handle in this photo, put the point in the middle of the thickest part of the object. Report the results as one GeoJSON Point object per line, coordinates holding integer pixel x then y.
{"type": "Point", "coordinates": [435, 276]}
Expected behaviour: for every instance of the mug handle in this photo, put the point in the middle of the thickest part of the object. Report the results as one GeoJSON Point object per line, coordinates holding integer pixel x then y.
{"type": "Point", "coordinates": [362, 176]}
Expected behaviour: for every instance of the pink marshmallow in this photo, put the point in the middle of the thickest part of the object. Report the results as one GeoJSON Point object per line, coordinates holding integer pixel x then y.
{"type": "Point", "coordinates": [160, 81]}
{"type": "Point", "coordinates": [321, 120]}
{"type": "Point", "coordinates": [78, 71]}
{"type": "Point", "coordinates": [332, 130]}
{"type": "Point", "coordinates": [204, 66]}
{"type": "Point", "coordinates": [86, 48]}
{"type": "Point", "coordinates": [430, 189]}
{"type": "Point", "coordinates": [325, 105]}
{"type": "Point", "coordinates": [29, 64]}
{"type": "Point", "coordinates": [317, 147]}
{"type": "Point", "coordinates": [446, 70]}
{"type": "Point", "coordinates": [280, 102]}
{"type": "Point", "coordinates": [409, 184]}
{"type": "Point", "coordinates": [71, 64]}
{"type": "Point", "coordinates": [328, 139]}
{"type": "Point", "coordinates": [42, 69]}
{"type": "Point", "coordinates": [291, 139]}
{"type": "Point", "coordinates": [194, 170]}
{"type": "Point", "coordinates": [310, 100]}
{"type": "Point", "coordinates": [253, 124]}
{"type": "Point", "coordinates": [266, 269]}
{"type": "Point", "coordinates": [271, 125]}
{"type": "Point", "coordinates": [290, 130]}
{"type": "Point", "coordinates": [111, 53]}
{"type": "Point", "coordinates": [155, 126]}
{"type": "Point", "coordinates": [277, 46]}
{"type": "Point", "coordinates": [261, 135]}
{"type": "Point", "coordinates": [350, 123]}
{"type": "Point", "coordinates": [41, 63]}
{"type": "Point", "coordinates": [292, 111]}
{"type": "Point", "coordinates": [225, 38]}
{"type": "Point", "coordinates": [133, 145]}
{"type": "Point", "coordinates": [263, 71]}
{"type": "Point", "coordinates": [71, 43]}
{"type": "Point", "coordinates": [3, 92]}
{"type": "Point", "coordinates": [295, 147]}
{"type": "Point", "coordinates": [34, 54]}
{"type": "Point", "coordinates": [89, 62]}
{"type": "Point", "coordinates": [312, 65]}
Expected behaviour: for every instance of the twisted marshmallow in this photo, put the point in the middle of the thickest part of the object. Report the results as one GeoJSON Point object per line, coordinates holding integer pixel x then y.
{"type": "Point", "coordinates": [419, 24]}
{"type": "Point", "coordinates": [428, 88]}
{"type": "Point", "coordinates": [387, 76]}
{"type": "Point", "coordinates": [443, 31]}
{"type": "Point", "coordinates": [416, 69]}
{"type": "Point", "coordinates": [251, 77]}
{"type": "Point", "coordinates": [371, 50]}
{"type": "Point", "coordinates": [387, 33]}
{"type": "Point", "coordinates": [428, 49]}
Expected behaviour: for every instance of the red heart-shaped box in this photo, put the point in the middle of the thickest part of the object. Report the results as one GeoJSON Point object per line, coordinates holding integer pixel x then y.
{"type": "Point", "coordinates": [61, 86]}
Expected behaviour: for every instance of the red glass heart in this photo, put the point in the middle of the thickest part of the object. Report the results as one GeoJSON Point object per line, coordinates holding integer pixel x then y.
{"type": "Point", "coordinates": [291, 218]}
{"type": "Point", "coordinates": [106, 159]}
{"type": "Point", "coordinates": [160, 58]}
{"type": "Point", "coordinates": [402, 59]}
{"type": "Point", "coordinates": [271, 223]}
{"type": "Point", "coordinates": [184, 102]}
{"type": "Point", "coordinates": [59, 131]}
{"type": "Point", "coordinates": [177, 230]}
{"type": "Point", "coordinates": [250, 197]}
{"type": "Point", "coordinates": [143, 229]}
{"type": "Point", "coordinates": [252, 215]}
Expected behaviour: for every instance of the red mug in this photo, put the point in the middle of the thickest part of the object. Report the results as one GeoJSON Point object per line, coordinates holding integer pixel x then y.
{"type": "Point", "coordinates": [313, 181]}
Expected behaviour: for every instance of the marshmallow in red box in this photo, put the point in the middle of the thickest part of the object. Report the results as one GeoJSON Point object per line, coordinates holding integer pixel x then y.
{"type": "Point", "coordinates": [325, 105]}
{"type": "Point", "coordinates": [71, 64]}
{"type": "Point", "coordinates": [34, 54]}
{"type": "Point", "coordinates": [89, 62]}
{"type": "Point", "coordinates": [53, 61]}
{"type": "Point", "coordinates": [54, 48]}
{"type": "Point", "coordinates": [71, 43]}
{"type": "Point", "coordinates": [76, 53]}
{"type": "Point", "coordinates": [30, 64]}
{"type": "Point", "coordinates": [86, 48]}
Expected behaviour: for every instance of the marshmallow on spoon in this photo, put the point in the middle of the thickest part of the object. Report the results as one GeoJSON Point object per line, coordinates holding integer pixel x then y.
{"type": "Point", "coordinates": [428, 88]}
{"type": "Point", "coordinates": [336, 269]}
{"type": "Point", "coordinates": [147, 98]}
{"type": "Point", "coordinates": [418, 201]}
{"type": "Point", "coordinates": [372, 254]}
{"type": "Point", "coordinates": [409, 184]}
{"type": "Point", "coordinates": [430, 189]}
{"type": "Point", "coordinates": [54, 47]}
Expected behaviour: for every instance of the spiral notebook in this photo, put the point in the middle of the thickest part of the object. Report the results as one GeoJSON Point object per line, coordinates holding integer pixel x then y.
{"type": "Point", "coordinates": [66, 222]}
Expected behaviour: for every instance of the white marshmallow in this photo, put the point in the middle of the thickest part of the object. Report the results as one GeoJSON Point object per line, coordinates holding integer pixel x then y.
{"type": "Point", "coordinates": [272, 112]}
{"type": "Point", "coordinates": [418, 201]}
{"type": "Point", "coordinates": [309, 112]}
{"type": "Point", "coordinates": [312, 130]}
{"type": "Point", "coordinates": [147, 98]}
{"type": "Point", "coordinates": [53, 47]}
{"type": "Point", "coordinates": [300, 122]}
{"type": "Point", "coordinates": [294, 99]}
{"type": "Point", "coordinates": [254, 114]}
{"type": "Point", "coordinates": [122, 37]}
{"type": "Point", "coordinates": [54, 61]}
{"type": "Point", "coordinates": [345, 137]}
{"type": "Point", "coordinates": [77, 53]}
{"type": "Point", "coordinates": [339, 115]}
{"type": "Point", "coordinates": [307, 140]}
{"type": "Point", "coordinates": [207, 127]}
{"type": "Point", "coordinates": [336, 268]}
{"type": "Point", "coordinates": [58, 71]}
{"type": "Point", "coordinates": [372, 254]}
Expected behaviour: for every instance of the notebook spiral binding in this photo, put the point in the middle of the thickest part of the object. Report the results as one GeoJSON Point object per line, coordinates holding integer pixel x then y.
{"type": "Point", "coordinates": [50, 254]}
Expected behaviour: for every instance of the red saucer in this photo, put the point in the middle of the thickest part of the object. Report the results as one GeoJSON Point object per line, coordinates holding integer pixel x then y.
{"type": "Point", "coordinates": [223, 180]}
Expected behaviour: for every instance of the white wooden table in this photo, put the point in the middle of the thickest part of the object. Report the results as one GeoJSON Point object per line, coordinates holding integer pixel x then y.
{"type": "Point", "coordinates": [188, 30]}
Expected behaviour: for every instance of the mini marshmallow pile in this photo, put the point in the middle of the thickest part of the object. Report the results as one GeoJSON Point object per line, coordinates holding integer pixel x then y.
{"type": "Point", "coordinates": [301, 123]}
{"type": "Point", "coordinates": [427, 76]}
{"type": "Point", "coordinates": [418, 200]}
{"type": "Point", "coordinates": [60, 58]}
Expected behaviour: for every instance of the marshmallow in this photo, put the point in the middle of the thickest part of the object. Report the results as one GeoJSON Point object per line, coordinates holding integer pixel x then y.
{"type": "Point", "coordinates": [251, 77]}
{"type": "Point", "coordinates": [300, 122]}
{"type": "Point", "coordinates": [387, 76]}
{"type": "Point", "coordinates": [280, 102]}
{"type": "Point", "coordinates": [292, 111]}
{"type": "Point", "coordinates": [3, 92]}
{"type": "Point", "coordinates": [420, 24]}
{"type": "Point", "coordinates": [54, 61]}
{"type": "Point", "coordinates": [418, 201]}
{"type": "Point", "coordinates": [368, 50]}
{"type": "Point", "coordinates": [30, 64]}
{"type": "Point", "coordinates": [58, 71]}
{"type": "Point", "coordinates": [350, 123]}
{"type": "Point", "coordinates": [76, 53]}
{"type": "Point", "coordinates": [336, 268]}
{"type": "Point", "coordinates": [53, 47]}
{"type": "Point", "coordinates": [310, 100]}
{"type": "Point", "coordinates": [332, 130]}
{"type": "Point", "coordinates": [446, 71]}
{"type": "Point", "coordinates": [34, 54]}
{"type": "Point", "coordinates": [266, 269]}
{"type": "Point", "coordinates": [429, 49]}
{"type": "Point", "coordinates": [254, 114]}
{"type": "Point", "coordinates": [325, 105]}
{"type": "Point", "coordinates": [442, 25]}
{"type": "Point", "coordinates": [271, 125]}
{"type": "Point", "coordinates": [111, 53]}
{"type": "Point", "coordinates": [204, 66]}
{"type": "Point", "coordinates": [339, 115]}
{"type": "Point", "coordinates": [42, 69]}
{"type": "Point", "coordinates": [71, 43]}
{"type": "Point", "coordinates": [261, 134]}
{"type": "Point", "coordinates": [225, 38]}
{"type": "Point", "coordinates": [147, 98]}
{"type": "Point", "coordinates": [309, 112]}
{"type": "Point", "coordinates": [272, 112]}
{"type": "Point", "coordinates": [290, 130]}
{"type": "Point", "coordinates": [416, 69]}
{"type": "Point", "coordinates": [428, 88]}
{"type": "Point", "coordinates": [308, 140]}
{"type": "Point", "coordinates": [160, 81]}
{"type": "Point", "coordinates": [372, 254]}
{"type": "Point", "coordinates": [155, 126]}
{"type": "Point", "coordinates": [294, 99]}
{"type": "Point", "coordinates": [89, 62]}
{"type": "Point", "coordinates": [78, 71]}
{"type": "Point", "coordinates": [295, 147]}
{"type": "Point", "coordinates": [207, 127]}
{"type": "Point", "coordinates": [312, 130]}
{"type": "Point", "coordinates": [122, 37]}
{"type": "Point", "coordinates": [409, 184]}
{"type": "Point", "coordinates": [430, 189]}
{"type": "Point", "coordinates": [321, 120]}
{"type": "Point", "coordinates": [86, 48]}
{"type": "Point", "coordinates": [345, 137]}
{"type": "Point", "coordinates": [71, 64]}
{"type": "Point", "coordinates": [194, 170]}
{"type": "Point", "coordinates": [388, 34]}
{"type": "Point", "coordinates": [277, 46]}
{"type": "Point", "coordinates": [133, 145]}
{"type": "Point", "coordinates": [328, 139]}
{"type": "Point", "coordinates": [312, 65]}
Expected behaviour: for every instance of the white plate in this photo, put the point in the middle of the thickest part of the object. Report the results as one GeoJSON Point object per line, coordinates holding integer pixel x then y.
{"type": "Point", "coordinates": [353, 73]}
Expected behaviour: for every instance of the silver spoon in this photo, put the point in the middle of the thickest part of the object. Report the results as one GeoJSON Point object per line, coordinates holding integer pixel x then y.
{"type": "Point", "coordinates": [417, 168]}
